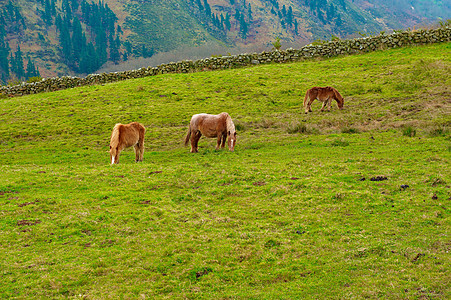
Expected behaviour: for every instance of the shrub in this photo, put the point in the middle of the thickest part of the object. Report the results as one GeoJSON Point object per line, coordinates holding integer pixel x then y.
{"type": "Point", "coordinates": [439, 131]}
{"type": "Point", "coordinates": [34, 79]}
{"type": "Point", "coordinates": [349, 130]}
{"type": "Point", "coordinates": [340, 143]}
{"type": "Point", "coordinates": [277, 43]}
{"type": "Point", "coordinates": [13, 82]}
{"type": "Point", "coordinates": [297, 128]}
{"type": "Point", "coordinates": [240, 127]}
{"type": "Point", "coordinates": [409, 131]}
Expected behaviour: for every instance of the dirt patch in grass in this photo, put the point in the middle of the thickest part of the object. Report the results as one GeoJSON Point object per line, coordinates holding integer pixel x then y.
{"type": "Point", "coordinates": [27, 203]}
{"type": "Point", "coordinates": [28, 222]}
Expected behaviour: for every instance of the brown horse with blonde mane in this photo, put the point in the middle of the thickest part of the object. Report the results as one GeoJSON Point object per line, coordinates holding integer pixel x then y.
{"type": "Point", "coordinates": [212, 126]}
{"type": "Point", "coordinates": [323, 94]}
{"type": "Point", "coordinates": [124, 136]}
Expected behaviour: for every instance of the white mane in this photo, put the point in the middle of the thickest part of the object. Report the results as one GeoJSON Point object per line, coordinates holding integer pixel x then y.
{"type": "Point", "coordinates": [230, 125]}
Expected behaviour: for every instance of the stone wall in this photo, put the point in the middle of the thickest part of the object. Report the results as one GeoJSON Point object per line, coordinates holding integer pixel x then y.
{"type": "Point", "coordinates": [326, 49]}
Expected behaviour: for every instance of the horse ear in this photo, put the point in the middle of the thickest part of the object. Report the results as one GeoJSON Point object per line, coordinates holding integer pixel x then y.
{"type": "Point", "coordinates": [234, 134]}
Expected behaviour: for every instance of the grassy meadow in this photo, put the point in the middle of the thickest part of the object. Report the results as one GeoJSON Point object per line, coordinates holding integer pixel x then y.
{"type": "Point", "coordinates": [291, 214]}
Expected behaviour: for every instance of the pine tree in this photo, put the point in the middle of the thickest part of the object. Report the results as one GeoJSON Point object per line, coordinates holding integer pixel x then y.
{"type": "Point", "coordinates": [101, 44]}
{"type": "Point", "coordinates": [290, 16]}
{"type": "Point", "coordinates": [18, 64]}
{"type": "Point", "coordinates": [243, 27]}
{"type": "Point", "coordinates": [227, 23]}
{"type": "Point", "coordinates": [207, 9]}
{"type": "Point", "coordinates": [65, 38]}
{"type": "Point", "coordinates": [89, 61]}
{"type": "Point", "coordinates": [47, 13]}
{"type": "Point", "coordinates": [237, 17]}
{"type": "Point", "coordinates": [199, 4]}
{"type": "Point", "coordinates": [115, 56]}
{"type": "Point", "coordinates": [4, 53]}
{"type": "Point", "coordinates": [32, 71]}
{"type": "Point", "coordinates": [78, 40]}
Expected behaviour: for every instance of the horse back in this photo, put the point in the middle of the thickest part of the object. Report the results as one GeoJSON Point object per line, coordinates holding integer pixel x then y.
{"type": "Point", "coordinates": [322, 93]}
{"type": "Point", "coordinates": [209, 125]}
{"type": "Point", "coordinates": [130, 134]}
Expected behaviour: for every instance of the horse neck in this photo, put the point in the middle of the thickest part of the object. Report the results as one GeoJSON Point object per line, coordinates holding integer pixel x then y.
{"type": "Point", "coordinates": [338, 96]}
{"type": "Point", "coordinates": [115, 135]}
{"type": "Point", "coordinates": [230, 125]}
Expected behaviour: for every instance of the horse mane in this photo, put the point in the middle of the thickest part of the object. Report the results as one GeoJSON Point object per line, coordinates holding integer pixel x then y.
{"type": "Point", "coordinates": [337, 94]}
{"type": "Point", "coordinates": [115, 135]}
{"type": "Point", "coordinates": [230, 125]}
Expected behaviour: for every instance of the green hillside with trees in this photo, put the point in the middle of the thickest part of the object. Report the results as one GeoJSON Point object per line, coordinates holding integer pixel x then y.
{"type": "Point", "coordinates": [45, 38]}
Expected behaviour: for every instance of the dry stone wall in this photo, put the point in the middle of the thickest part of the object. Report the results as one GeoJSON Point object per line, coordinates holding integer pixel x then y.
{"type": "Point", "coordinates": [327, 49]}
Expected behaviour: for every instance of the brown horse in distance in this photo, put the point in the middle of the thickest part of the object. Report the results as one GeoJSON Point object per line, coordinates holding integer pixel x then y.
{"type": "Point", "coordinates": [212, 126]}
{"type": "Point", "coordinates": [323, 94]}
{"type": "Point", "coordinates": [124, 136]}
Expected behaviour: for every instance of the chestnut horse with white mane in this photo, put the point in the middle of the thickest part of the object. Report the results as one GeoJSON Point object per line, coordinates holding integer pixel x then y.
{"type": "Point", "coordinates": [124, 136]}
{"type": "Point", "coordinates": [212, 126]}
{"type": "Point", "coordinates": [323, 94]}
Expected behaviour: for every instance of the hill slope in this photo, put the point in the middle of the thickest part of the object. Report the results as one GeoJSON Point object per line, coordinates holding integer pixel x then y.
{"type": "Point", "coordinates": [291, 213]}
{"type": "Point", "coordinates": [78, 37]}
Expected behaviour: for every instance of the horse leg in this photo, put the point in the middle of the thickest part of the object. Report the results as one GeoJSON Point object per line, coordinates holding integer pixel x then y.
{"type": "Point", "coordinates": [137, 153]}
{"type": "Point", "coordinates": [141, 145]}
{"type": "Point", "coordinates": [219, 139]}
{"type": "Point", "coordinates": [324, 105]}
{"type": "Point", "coordinates": [309, 105]}
{"type": "Point", "coordinates": [329, 102]}
{"type": "Point", "coordinates": [224, 138]}
{"type": "Point", "coordinates": [141, 151]}
{"type": "Point", "coordinates": [194, 141]}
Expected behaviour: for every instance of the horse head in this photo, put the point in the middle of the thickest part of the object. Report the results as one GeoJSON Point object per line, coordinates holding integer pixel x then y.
{"type": "Point", "coordinates": [231, 141]}
{"type": "Point", "coordinates": [113, 153]}
{"type": "Point", "coordinates": [340, 103]}
{"type": "Point", "coordinates": [339, 98]}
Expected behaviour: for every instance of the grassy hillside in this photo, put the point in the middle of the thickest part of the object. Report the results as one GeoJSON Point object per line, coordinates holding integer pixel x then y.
{"type": "Point", "coordinates": [292, 213]}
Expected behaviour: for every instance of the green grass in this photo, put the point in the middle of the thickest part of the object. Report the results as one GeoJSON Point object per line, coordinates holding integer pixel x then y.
{"type": "Point", "coordinates": [292, 213]}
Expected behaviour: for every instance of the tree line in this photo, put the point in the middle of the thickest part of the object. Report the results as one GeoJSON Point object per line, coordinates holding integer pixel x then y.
{"type": "Point", "coordinates": [87, 37]}
{"type": "Point", "coordinates": [87, 32]}
{"type": "Point", "coordinates": [221, 23]}
{"type": "Point", "coordinates": [12, 62]}
{"type": "Point", "coordinates": [287, 20]}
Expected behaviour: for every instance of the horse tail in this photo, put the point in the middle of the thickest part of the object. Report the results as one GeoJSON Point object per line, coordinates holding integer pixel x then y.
{"type": "Point", "coordinates": [188, 135]}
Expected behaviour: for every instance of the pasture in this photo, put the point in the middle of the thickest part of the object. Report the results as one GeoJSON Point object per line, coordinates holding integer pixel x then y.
{"type": "Point", "coordinates": [351, 203]}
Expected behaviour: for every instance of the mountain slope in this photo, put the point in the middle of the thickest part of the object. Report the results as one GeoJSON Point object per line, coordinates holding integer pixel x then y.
{"type": "Point", "coordinates": [64, 37]}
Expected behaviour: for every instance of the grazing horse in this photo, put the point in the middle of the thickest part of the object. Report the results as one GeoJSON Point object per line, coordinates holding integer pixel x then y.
{"type": "Point", "coordinates": [323, 94]}
{"type": "Point", "coordinates": [213, 126]}
{"type": "Point", "coordinates": [124, 136]}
